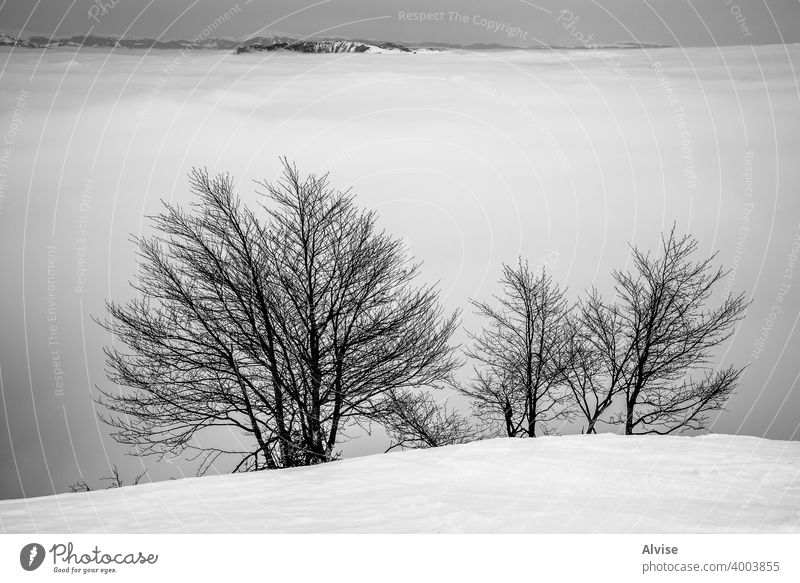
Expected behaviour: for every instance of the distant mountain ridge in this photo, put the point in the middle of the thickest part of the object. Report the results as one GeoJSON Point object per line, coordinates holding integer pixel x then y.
{"type": "Point", "coordinates": [261, 43]}
{"type": "Point", "coordinates": [324, 46]}
{"type": "Point", "coordinates": [41, 42]}
{"type": "Point", "coordinates": [283, 43]}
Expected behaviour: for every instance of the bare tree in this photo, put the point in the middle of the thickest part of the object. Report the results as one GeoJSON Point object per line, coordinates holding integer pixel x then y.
{"type": "Point", "coordinates": [114, 480]}
{"type": "Point", "coordinates": [595, 360]}
{"type": "Point", "coordinates": [286, 324]}
{"type": "Point", "coordinates": [79, 487]}
{"type": "Point", "coordinates": [518, 380]}
{"type": "Point", "coordinates": [413, 420]}
{"type": "Point", "coordinates": [660, 335]}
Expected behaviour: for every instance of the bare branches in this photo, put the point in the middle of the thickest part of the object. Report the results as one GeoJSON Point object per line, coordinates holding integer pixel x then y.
{"type": "Point", "coordinates": [79, 487]}
{"type": "Point", "coordinates": [114, 481]}
{"type": "Point", "coordinates": [594, 361]}
{"type": "Point", "coordinates": [518, 354]}
{"type": "Point", "coordinates": [414, 420]}
{"type": "Point", "coordinates": [648, 347]}
{"type": "Point", "coordinates": [667, 333]}
{"type": "Point", "coordinates": [685, 406]}
{"type": "Point", "coordinates": [285, 326]}
{"type": "Point", "coordinates": [291, 322]}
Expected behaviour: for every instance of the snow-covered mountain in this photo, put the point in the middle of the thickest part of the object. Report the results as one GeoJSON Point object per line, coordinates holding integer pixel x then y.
{"type": "Point", "coordinates": [580, 483]}
{"type": "Point", "coordinates": [324, 46]}
{"type": "Point", "coordinates": [6, 40]}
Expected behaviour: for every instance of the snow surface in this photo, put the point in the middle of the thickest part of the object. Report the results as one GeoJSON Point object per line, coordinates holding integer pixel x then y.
{"type": "Point", "coordinates": [602, 483]}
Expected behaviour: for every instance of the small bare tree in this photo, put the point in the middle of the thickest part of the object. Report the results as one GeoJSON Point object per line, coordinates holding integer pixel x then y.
{"type": "Point", "coordinates": [660, 335]}
{"type": "Point", "coordinates": [115, 480]}
{"type": "Point", "coordinates": [518, 354]}
{"type": "Point", "coordinates": [286, 324]}
{"type": "Point", "coordinates": [413, 420]}
{"type": "Point", "coordinates": [79, 487]}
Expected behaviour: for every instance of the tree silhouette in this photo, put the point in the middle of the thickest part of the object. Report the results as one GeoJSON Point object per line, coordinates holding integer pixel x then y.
{"type": "Point", "coordinates": [115, 480]}
{"type": "Point", "coordinates": [287, 323]}
{"type": "Point", "coordinates": [659, 335]}
{"type": "Point", "coordinates": [413, 420]}
{"type": "Point", "coordinates": [595, 359]}
{"type": "Point", "coordinates": [517, 376]}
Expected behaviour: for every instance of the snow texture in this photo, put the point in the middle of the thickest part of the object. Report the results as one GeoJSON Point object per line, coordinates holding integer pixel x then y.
{"type": "Point", "coordinates": [580, 484]}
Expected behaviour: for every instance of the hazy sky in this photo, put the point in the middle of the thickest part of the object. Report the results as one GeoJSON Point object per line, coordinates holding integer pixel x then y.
{"type": "Point", "coordinates": [519, 22]}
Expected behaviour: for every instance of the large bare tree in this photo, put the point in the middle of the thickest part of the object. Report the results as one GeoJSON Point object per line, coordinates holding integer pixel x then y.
{"type": "Point", "coordinates": [287, 323]}
{"type": "Point", "coordinates": [518, 381]}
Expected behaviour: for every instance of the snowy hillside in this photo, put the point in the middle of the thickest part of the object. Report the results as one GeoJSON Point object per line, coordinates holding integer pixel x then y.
{"type": "Point", "coordinates": [604, 483]}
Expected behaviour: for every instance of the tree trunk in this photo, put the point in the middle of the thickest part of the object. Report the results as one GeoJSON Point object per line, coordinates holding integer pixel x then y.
{"type": "Point", "coordinates": [532, 419]}
{"type": "Point", "coordinates": [629, 418]}
{"type": "Point", "coordinates": [509, 418]}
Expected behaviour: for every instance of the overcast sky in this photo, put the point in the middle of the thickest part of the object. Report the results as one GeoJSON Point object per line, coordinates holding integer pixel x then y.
{"type": "Point", "coordinates": [518, 22]}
